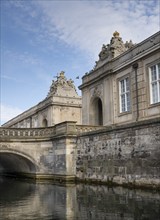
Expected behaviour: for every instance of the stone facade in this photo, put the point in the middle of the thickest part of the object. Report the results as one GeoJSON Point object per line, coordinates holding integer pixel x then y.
{"type": "Point", "coordinates": [125, 155]}
{"type": "Point", "coordinates": [121, 87]}
{"type": "Point", "coordinates": [61, 104]}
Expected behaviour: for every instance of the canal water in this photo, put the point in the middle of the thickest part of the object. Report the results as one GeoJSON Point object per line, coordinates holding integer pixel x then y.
{"type": "Point", "coordinates": [22, 200]}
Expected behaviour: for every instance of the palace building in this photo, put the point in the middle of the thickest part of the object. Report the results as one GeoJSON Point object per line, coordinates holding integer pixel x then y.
{"type": "Point", "coordinates": [123, 87]}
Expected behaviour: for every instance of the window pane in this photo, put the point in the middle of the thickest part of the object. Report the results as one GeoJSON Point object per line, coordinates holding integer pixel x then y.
{"type": "Point", "coordinates": [127, 84]}
{"type": "Point", "coordinates": [123, 102]}
{"type": "Point", "coordinates": [153, 73]}
{"type": "Point", "coordinates": [122, 86]}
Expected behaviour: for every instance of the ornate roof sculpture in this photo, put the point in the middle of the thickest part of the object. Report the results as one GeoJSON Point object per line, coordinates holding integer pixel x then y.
{"type": "Point", "coordinates": [115, 48]}
{"type": "Point", "coordinates": [62, 87]}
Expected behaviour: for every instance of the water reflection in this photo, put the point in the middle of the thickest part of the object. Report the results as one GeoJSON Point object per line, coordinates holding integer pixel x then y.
{"type": "Point", "coordinates": [117, 203]}
{"type": "Point", "coordinates": [26, 200]}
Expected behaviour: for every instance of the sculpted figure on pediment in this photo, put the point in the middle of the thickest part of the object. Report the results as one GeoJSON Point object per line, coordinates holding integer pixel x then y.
{"type": "Point", "coordinates": [70, 83]}
{"type": "Point", "coordinates": [61, 79]}
{"type": "Point", "coordinates": [104, 52]}
{"type": "Point", "coordinates": [116, 45]}
{"type": "Point", "coordinates": [60, 86]}
{"type": "Point", "coordinates": [53, 88]}
{"type": "Point", "coordinates": [114, 49]}
{"type": "Point", "coordinates": [129, 44]}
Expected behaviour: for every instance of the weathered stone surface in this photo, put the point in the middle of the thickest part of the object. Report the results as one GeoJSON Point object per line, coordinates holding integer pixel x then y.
{"type": "Point", "coordinates": [125, 155]}
{"type": "Point", "coordinates": [43, 153]}
{"type": "Point", "coordinates": [130, 155]}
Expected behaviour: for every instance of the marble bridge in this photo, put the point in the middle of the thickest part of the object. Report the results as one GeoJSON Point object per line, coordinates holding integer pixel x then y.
{"type": "Point", "coordinates": [41, 153]}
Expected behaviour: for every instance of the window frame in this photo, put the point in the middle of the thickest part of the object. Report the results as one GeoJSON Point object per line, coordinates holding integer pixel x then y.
{"type": "Point", "coordinates": [127, 107]}
{"type": "Point", "coordinates": [154, 82]}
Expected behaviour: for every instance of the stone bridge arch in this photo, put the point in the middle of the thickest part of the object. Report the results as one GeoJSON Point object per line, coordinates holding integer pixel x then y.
{"type": "Point", "coordinates": [40, 153]}
{"type": "Point", "coordinates": [14, 162]}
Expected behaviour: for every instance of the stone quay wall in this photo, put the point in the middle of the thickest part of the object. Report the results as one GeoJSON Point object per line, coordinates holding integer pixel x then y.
{"type": "Point", "coordinates": [124, 155]}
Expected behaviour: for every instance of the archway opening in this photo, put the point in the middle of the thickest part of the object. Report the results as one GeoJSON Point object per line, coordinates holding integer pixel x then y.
{"type": "Point", "coordinates": [44, 123]}
{"type": "Point", "coordinates": [96, 112]}
{"type": "Point", "coordinates": [16, 165]}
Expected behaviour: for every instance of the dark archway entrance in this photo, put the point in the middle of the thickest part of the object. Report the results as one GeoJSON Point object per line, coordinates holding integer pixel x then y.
{"type": "Point", "coordinates": [96, 112]}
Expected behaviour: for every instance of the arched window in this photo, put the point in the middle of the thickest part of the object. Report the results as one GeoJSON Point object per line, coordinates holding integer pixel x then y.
{"type": "Point", "coordinates": [44, 123]}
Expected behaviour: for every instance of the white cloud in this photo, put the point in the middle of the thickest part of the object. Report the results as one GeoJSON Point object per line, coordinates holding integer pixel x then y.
{"type": "Point", "coordinates": [8, 112]}
{"type": "Point", "coordinates": [87, 25]}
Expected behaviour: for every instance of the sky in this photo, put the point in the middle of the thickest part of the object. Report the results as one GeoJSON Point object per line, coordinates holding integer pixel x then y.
{"type": "Point", "coordinates": [41, 38]}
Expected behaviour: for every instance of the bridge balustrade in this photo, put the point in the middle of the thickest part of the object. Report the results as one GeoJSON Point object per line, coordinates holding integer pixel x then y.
{"type": "Point", "coordinates": [26, 132]}
{"type": "Point", "coordinates": [64, 128]}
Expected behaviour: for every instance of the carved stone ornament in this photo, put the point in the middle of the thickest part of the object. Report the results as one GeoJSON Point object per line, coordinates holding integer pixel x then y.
{"type": "Point", "coordinates": [97, 91]}
{"type": "Point", "coordinates": [114, 49]}
{"type": "Point", "coordinates": [61, 85]}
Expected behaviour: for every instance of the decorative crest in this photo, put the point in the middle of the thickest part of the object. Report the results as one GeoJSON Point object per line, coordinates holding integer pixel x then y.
{"type": "Point", "coordinates": [114, 49]}
{"type": "Point", "coordinates": [62, 86]}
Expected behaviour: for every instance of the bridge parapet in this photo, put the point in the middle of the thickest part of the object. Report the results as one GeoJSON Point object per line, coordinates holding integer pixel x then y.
{"type": "Point", "coordinates": [28, 133]}
{"type": "Point", "coordinates": [64, 128]}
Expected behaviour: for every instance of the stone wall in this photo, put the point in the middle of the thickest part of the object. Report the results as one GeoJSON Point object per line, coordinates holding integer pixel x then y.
{"type": "Point", "coordinates": [122, 155]}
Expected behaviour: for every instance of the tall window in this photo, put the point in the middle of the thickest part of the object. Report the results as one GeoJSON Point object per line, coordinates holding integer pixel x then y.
{"type": "Point", "coordinates": [155, 83]}
{"type": "Point", "coordinates": [124, 90]}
